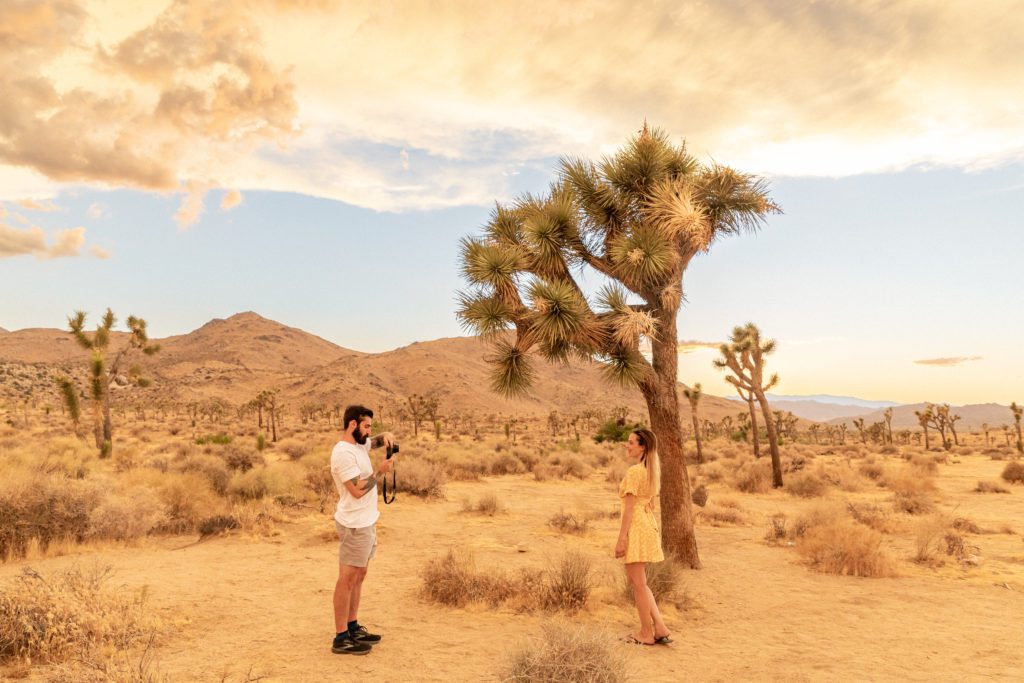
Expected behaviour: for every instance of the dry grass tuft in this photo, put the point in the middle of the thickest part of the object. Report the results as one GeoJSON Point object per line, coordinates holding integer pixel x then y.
{"type": "Point", "coordinates": [844, 547]}
{"type": "Point", "coordinates": [65, 616]}
{"type": "Point", "coordinates": [990, 487]}
{"type": "Point", "coordinates": [928, 533]}
{"type": "Point", "coordinates": [421, 478]}
{"type": "Point", "coordinates": [754, 476]}
{"type": "Point", "coordinates": [569, 523]}
{"type": "Point", "coordinates": [488, 504]}
{"type": "Point", "coordinates": [911, 489]}
{"type": "Point", "coordinates": [566, 653]}
{"type": "Point", "coordinates": [805, 484]}
{"type": "Point", "coordinates": [722, 515]}
{"type": "Point", "coordinates": [453, 580]}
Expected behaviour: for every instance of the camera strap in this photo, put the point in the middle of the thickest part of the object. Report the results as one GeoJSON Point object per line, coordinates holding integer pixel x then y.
{"type": "Point", "coordinates": [394, 486]}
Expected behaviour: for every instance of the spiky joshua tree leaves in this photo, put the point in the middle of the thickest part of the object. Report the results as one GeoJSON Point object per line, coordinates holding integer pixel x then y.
{"type": "Point", "coordinates": [744, 356]}
{"type": "Point", "coordinates": [637, 219]}
{"type": "Point", "coordinates": [103, 371]}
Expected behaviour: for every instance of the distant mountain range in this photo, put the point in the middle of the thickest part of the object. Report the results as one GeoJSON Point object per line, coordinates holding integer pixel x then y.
{"type": "Point", "coordinates": [824, 407]}
{"type": "Point", "coordinates": [972, 417]}
{"type": "Point", "coordinates": [235, 358]}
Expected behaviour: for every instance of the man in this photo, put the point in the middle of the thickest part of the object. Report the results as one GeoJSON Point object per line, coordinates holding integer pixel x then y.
{"type": "Point", "coordinates": [355, 520]}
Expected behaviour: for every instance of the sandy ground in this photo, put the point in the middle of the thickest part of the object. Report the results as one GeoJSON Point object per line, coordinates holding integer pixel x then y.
{"type": "Point", "coordinates": [237, 604]}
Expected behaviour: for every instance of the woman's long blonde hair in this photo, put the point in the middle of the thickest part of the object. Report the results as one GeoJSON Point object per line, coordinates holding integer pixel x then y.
{"type": "Point", "coordinates": [647, 439]}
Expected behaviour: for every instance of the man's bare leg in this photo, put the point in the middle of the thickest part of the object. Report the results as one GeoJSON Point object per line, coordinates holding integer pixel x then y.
{"type": "Point", "coordinates": [357, 591]}
{"type": "Point", "coordinates": [348, 579]}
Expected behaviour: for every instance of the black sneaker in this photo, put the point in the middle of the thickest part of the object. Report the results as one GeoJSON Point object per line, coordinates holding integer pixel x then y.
{"type": "Point", "coordinates": [348, 646]}
{"type": "Point", "coordinates": [361, 635]}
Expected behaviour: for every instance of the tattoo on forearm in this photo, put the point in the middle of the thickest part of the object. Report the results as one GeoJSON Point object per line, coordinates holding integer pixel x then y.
{"type": "Point", "coordinates": [354, 481]}
{"type": "Point", "coordinates": [369, 483]}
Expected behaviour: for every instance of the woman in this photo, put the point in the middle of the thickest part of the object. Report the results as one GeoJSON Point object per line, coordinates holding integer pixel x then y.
{"type": "Point", "coordinates": [639, 539]}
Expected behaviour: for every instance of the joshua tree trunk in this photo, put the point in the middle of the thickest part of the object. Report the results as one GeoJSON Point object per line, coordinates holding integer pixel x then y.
{"type": "Point", "coordinates": [927, 443]}
{"type": "Point", "coordinates": [663, 407]}
{"type": "Point", "coordinates": [754, 429]}
{"type": "Point", "coordinates": [107, 448]}
{"type": "Point", "coordinates": [773, 438]}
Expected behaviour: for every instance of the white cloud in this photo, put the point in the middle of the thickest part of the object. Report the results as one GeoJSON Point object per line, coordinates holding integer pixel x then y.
{"type": "Point", "coordinates": [230, 200]}
{"type": "Point", "coordinates": [99, 252]}
{"type": "Point", "coordinates": [23, 242]}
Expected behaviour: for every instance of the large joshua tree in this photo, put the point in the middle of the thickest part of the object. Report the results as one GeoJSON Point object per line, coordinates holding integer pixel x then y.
{"type": "Point", "coordinates": [693, 395]}
{"type": "Point", "coordinates": [103, 371]}
{"type": "Point", "coordinates": [637, 218]}
{"type": "Point", "coordinates": [744, 356]}
{"type": "Point", "coordinates": [1017, 410]}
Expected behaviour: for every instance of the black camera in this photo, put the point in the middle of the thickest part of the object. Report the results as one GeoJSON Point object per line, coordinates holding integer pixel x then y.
{"type": "Point", "coordinates": [391, 450]}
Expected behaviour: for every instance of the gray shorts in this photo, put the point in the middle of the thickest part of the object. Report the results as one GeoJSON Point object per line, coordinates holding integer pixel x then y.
{"type": "Point", "coordinates": [356, 546]}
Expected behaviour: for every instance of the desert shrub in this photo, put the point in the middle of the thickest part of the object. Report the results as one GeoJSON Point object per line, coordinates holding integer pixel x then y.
{"type": "Point", "coordinates": [712, 472]}
{"type": "Point", "coordinates": [464, 467]}
{"type": "Point", "coordinates": [242, 460]}
{"type": "Point", "coordinates": [216, 524]}
{"type": "Point", "coordinates": [806, 484]}
{"type": "Point", "coordinates": [1013, 473]}
{"type": "Point", "coordinates": [616, 472]}
{"type": "Point", "coordinates": [321, 483]}
{"type": "Point", "coordinates": [295, 449]}
{"type": "Point", "coordinates": [613, 431]}
{"type": "Point", "coordinates": [573, 466]}
{"type": "Point", "coordinates": [506, 463]}
{"type": "Point", "coordinates": [66, 615]}
{"type": "Point", "coordinates": [754, 476]}
{"type": "Point", "coordinates": [220, 439]}
{"type": "Point", "coordinates": [528, 457]}
{"type": "Point", "coordinates": [187, 499]}
{"type": "Point", "coordinates": [487, 504]}
{"type": "Point", "coordinates": [843, 547]}
{"type": "Point", "coordinates": [776, 532]}
{"type": "Point", "coordinates": [851, 450]}
{"type": "Point", "coordinates": [964, 450]}
{"type": "Point", "coordinates": [543, 471]}
{"type": "Point", "coordinates": [421, 478]}
{"type": "Point", "coordinates": [845, 478]}
{"type": "Point", "coordinates": [565, 653]}
{"type": "Point", "coordinates": [911, 487]}
{"type": "Point", "coordinates": [793, 463]}
{"type": "Point", "coordinates": [817, 515]}
{"type": "Point", "coordinates": [872, 470]}
{"type": "Point", "coordinates": [568, 523]}
{"type": "Point", "coordinates": [990, 487]}
{"type": "Point", "coordinates": [46, 508]}
{"type": "Point", "coordinates": [889, 449]}
{"type": "Point", "coordinates": [871, 515]}
{"type": "Point", "coordinates": [568, 583]}
{"type": "Point", "coordinates": [452, 579]}
{"type": "Point", "coordinates": [926, 465]}
{"type": "Point", "coordinates": [928, 533]}
{"type": "Point", "coordinates": [720, 515]}
{"type": "Point", "coordinates": [127, 515]}
{"type": "Point", "coordinates": [249, 484]}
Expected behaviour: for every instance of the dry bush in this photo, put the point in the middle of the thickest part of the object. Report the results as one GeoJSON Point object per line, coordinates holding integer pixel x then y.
{"type": "Point", "coordinates": [126, 516]}
{"type": "Point", "coordinates": [453, 580]}
{"type": "Point", "coordinates": [568, 523]}
{"type": "Point", "coordinates": [806, 484]}
{"type": "Point", "coordinates": [754, 476]}
{"type": "Point", "coordinates": [872, 470]}
{"type": "Point", "coordinates": [729, 452]}
{"type": "Point", "coordinates": [488, 504]}
{"type": "Point", "coordinates": [213, 468]}
{"type": "Point", "coordinates": [990, 487]}
{"type": "Point", "coordinates": [776, 532]}
{"type": "Point", "coordinates": [572, 466]}
{"type": "Point", "coordinates": [295, 449]}
{"type": "Point", "coordinates": [846, 548]}
{"type": "Point", "coordinates": [964, 450]}
{"type": "Point", "coordinates": [926, 464]}
{"type": "Point", "coordinates": [712, 472]}
{"type": "Point", "coordinates": [240, 459]}
{"type": "Point", "coordinates": [506, 463]}
{"type": "Point", "coordinates": [616, 472]}
{"type": "Point", "coordinates": [928, 533]}
{"type": "Point", "coordinates": [543, 472]}
{"type": "Point", "coordinates": [1013, 473]}
{"type": "Point", "coordinates": [421, 478]}
{"type": "Point", "coordinates": [528, 458]}
{"type": "Point", "coordinates": [889, 449]}
{"type": "Point", "coordinates": [66, 615]}
{"type": "Point", "coordinates": [845, 478]}
{"type": "Point", "coordinates": [187, 499]}
{"type": "Point", "coordinates": [46, 508]}
{"type": "Point", "coordinates": [851, 450]}
{"type": "Point", "coordinates": [565, 653]}
{"type": "Point", "coordinates": [911, 487]}
{"type": "Point", "coordinates": [871, 515]}
{"type": "Point", "coordinates": [665, 581]}
{"type": "Point", "coordinates": [817, 515]}
{"type": "Point", "coordinates": [721, 515]}
{"type": "Point", "coordinates": [995, 453]}
{"type": "Point", "coordinates": [793, 463]}
{"type": "Point", "coordinates": [321, 483]}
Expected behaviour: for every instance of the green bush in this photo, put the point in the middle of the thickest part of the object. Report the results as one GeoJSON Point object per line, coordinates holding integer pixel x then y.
{"type": "Point", "coordinates": [613, 431]}
{"type": "Point", "coordinates": [220, 439]}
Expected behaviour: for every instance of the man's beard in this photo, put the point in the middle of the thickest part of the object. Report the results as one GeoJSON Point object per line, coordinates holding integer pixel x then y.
{"type": "Point", "coordinates": [359, 437]}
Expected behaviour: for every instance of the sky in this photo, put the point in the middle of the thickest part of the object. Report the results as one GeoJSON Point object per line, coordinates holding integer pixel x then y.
{"type": "Point", "coordinates": [317, 162]}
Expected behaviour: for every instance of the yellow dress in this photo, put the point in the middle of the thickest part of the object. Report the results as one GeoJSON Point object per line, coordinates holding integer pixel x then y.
{"type": "Point", "coordinates": [644, 540]}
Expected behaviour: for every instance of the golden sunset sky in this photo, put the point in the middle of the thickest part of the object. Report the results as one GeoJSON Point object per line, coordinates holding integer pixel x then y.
{"type": "Point", "coordinates": [188, 160]}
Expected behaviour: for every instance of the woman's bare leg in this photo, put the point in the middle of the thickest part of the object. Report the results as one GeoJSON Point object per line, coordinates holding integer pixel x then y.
{"type": "Point", "coordinates": [645, 605]}
{"type": "Point", "coordinates": [660, 629]}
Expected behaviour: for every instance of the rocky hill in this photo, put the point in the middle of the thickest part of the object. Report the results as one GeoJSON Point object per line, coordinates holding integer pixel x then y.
{"type": "Point", "coordinates": [234, 358]}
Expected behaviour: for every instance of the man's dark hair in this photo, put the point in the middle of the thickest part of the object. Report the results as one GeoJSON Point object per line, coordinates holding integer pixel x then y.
{"type": "Point", "coordinates": [356, 413]}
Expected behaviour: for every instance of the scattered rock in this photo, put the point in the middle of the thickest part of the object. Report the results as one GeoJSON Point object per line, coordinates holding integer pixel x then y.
{"type": "Point", "coordinates": [700, 496]}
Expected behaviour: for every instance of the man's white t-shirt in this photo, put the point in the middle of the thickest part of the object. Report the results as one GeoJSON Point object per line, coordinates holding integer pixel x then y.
{"type": "Point", "coordinates": [349, 461]}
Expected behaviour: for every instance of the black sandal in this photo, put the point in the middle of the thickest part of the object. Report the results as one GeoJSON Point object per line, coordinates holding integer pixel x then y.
{"type": "Point", "coordinates": [664, 640]}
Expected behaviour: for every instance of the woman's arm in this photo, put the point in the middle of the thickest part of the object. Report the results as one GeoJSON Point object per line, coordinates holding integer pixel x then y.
{"type": "Point", "coordinates": [627, 519]}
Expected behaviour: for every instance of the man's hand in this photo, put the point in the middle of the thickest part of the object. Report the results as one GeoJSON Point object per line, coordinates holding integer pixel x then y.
{"type": "Point", "coordinates": [386, 439]}
{"type": "Point", "coordinates": [386, 466]}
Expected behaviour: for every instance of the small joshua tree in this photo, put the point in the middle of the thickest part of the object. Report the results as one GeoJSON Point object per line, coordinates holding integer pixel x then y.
{"type": "Point", "coordinates": [744, 356]}
{"type": "Point", "coordinates": [103, 371]}
{"type": "Point", "coordinates": [1017, 410]}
